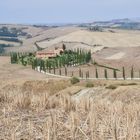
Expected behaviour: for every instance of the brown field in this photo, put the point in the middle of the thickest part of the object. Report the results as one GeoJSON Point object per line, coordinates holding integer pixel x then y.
{"type": "Point", "coordinates": [117, 49]}
{"type": "Point", "coordinates": [35, 106]}
{"type": "Point", "coordinates": [39, 34]}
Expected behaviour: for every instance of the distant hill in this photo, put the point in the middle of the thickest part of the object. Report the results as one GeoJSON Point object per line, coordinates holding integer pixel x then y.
{"type": "Point", "coordinates": [126, 23]}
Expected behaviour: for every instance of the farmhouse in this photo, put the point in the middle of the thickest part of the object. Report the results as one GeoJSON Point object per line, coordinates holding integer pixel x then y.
{"type": "Point", "coordinates": [48, 54]}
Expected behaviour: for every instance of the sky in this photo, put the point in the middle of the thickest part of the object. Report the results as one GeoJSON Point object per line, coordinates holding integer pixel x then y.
{"type": "Point", "coordinates": [66, 11]}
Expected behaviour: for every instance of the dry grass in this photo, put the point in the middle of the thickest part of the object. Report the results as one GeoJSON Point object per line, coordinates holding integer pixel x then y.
{"type": "Point", "coordinates": [54, 115]}
{"type": "Point", "coordinates": [105, 39]}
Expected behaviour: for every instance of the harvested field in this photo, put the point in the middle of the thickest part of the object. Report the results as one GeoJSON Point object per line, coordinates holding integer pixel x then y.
{"type": "Point", "coordinates": [105, 39]}
{"type": "Point", "coordinates": [38, 106]}
{"type": "Point", "coordinates": [61, 113]}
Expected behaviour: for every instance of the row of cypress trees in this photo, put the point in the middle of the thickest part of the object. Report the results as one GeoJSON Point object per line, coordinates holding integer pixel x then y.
{"type": "Point", "coordinates": [87, 73]}
{"type": "Point", "coordinates": [69, 58]}
{"type": "Point", "coordinates": [106, 73]}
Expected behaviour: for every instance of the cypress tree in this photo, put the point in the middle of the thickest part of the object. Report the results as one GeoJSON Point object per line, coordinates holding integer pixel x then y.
{"type": "Point", "coordinates": [80, 73]}
{"type": "Point", "coordinates": [11, 58]}
{"type": "Point", "coordinates": [65, 71]}
{"type": "Point", "coordinates": [60, 62]}
{"type": "Point", "coordinates": [59, 71]}
{"type": "Point", "coordinates": [22, 60]}
{"type": "Point", "coordinates": [96, 73]}
{"type": "Point", "coordinates": [105, 73]}
{"type": "Point", "coordinates": [15, 60]}
{"type": "Point", "coordinates": [33, 65]}
{"type": "Point", "coordinates": [43, 66]}
{"type": "Point", "coordinates": [54, 69]}
{"type": "Point", "coordinates": [124, 73]}
{"type": "Point", "coordinates": [132, 73]}
{"type": "Point", "coordinates": [88, 56]}
{"type": "Point", "coordinates": [115, 74]}
{"type": "Point", "coordinates": [49, 63]}
{"type": "Point", "coordinates": [46, 63]}
{"type": "Point", "coordinates": [64, 47]}
{"type": "Point", "coordinates": [56, 62]}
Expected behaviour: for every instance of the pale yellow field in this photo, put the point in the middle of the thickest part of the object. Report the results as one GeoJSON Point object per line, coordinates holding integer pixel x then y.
{"type": "Point", "coordinates": [104, 39]}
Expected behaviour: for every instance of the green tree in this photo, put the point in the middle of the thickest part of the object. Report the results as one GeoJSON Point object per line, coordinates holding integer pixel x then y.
{"type": "Point", "coordinates": [105, 73]}
{"type": "Point", "coordinates": [124, 73]}
{"type": "Point", "coordinates": [132, 72]}
{"type": "Point", "coordinates": [64, 47]}
{"type": "Point", "coordinates": [88, 56]}
{"type": "Point", "coordinates": [115, 74]}
{"type": "Point", "coordinates": [96, 71]}
{"type": "Point", "coordinates": [54, 69]}
{"type": "Point", "coordinates": [59, 71]}
{"type": "Point", "coordinates": [80, 73]}
{"type": "Point", "coordinates": [65, 71]}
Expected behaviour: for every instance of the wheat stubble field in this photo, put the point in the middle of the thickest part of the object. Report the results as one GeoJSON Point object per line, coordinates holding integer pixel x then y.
{"type": "Point", "coordinates": [33, 106]}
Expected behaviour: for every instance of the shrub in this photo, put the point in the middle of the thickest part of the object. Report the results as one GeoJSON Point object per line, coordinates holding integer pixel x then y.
{"type": "Point", "coordinates": [128, 84]}
{"type": "Point", "coordinates": [74, 80]}
{"type": "Point", "coordinates": [89, 84]}
{"type": "Point", "coordinates": [111, 87]}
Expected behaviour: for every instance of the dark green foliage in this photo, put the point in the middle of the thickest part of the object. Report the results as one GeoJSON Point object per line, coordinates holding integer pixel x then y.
{"type": "Point", "coordinates": [105, 74]}
{"type": "Point", "coordinates": [11, 39]}
{"type": "Point", "coordinates": [65, 71]}
{"type": "Point", "coordinates": [124, 73]}
{"type": "Point", "coordinates": [64, 47]}
{"type": "Point", "coordinates": [115, 74]}
{"type": "Point", "coordinates": [80, 73]}
{"type": "Point", "coordinates": [112, 87]}
{"type": "Point", "coordinates": [69, 58]}
{"type": "Point", "coordinates": [96, 74]}
{"type": "Point", "coordinates": [14, 58]}
{"type": "Point", "coordinates": [74, 80]}
{"type": "Point", "coordinates": [34, 64]}
{"type": "Point", "coordinates": [41, 65]}
{"type": "Point", "coordinates": [54, 70]}
{"type": "Point", "coordinates": [132, 72]}
{"type": "Point", "coordinates": [88, 56]}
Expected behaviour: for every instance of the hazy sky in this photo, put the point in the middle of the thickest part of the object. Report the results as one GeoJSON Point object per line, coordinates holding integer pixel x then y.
{"type": "Point", "coordinates": [65, 11]}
